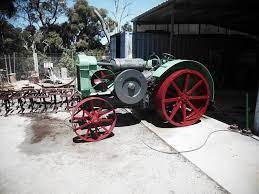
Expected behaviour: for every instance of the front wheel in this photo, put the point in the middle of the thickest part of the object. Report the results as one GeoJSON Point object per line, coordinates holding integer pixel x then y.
{"type": "Point", "coordinates": [93, 119]}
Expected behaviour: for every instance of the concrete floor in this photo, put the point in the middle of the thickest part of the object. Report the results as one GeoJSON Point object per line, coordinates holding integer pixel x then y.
{"type": "Point", "coordinates": [229, 158]}
{"type": "Point", "coordinates": [39, 156]}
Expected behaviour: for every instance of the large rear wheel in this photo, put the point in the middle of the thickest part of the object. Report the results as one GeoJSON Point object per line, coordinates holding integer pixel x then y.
{"type": "Point", "coordinates": [183, 97]}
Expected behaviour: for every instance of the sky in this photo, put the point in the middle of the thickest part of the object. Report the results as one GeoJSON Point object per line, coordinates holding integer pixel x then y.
{"type": "Point", "coordinates": [136, 8]}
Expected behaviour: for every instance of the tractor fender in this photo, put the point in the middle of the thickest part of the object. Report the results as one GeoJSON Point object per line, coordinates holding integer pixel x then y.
{"type": "Point", "coordinates": [171, 66]}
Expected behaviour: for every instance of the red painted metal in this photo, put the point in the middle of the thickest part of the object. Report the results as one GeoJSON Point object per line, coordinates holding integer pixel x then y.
{"type": "Point", "coordinates": [93, 119]}
{"type": "Point", "coordinates": [183, 97]}
{"type": "Point", "coordinates": [98, 78]}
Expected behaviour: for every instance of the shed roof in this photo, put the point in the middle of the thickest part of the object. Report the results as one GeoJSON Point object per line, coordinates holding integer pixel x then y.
{"type": "Point", "coordinates": [234, 14]}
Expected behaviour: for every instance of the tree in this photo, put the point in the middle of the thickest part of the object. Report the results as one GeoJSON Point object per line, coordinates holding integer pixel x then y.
{"type": "Point", "coordinates": [41, 13]}
{"type": "Point", "coordinates": [9, 35]}
{"type": "Point", "coordinates": [121, 12]}
{"type": "Point", "coordinates": [41, 16]}
{"type": "Point", "coordinates": [10, 38]}
{"type": "Point", "coordinates": [85, 26]}
{"type": "Point", "coordinates": [127, 27]}
{"type": "Point", "coordinates": [53, 42]}
{"type": "Point", "coordinates": [7, 9]}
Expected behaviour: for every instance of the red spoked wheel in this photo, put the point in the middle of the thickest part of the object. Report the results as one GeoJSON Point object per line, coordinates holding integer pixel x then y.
{"type": "Point", "coordinates": [183, 97]}
{"type": "Point", "coordinates": [93, 119]}
{"type": "Point", "coordinates": [102, 79]}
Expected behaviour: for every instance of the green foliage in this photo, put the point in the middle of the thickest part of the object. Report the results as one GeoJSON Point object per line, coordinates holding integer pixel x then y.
{"type": "Point", "coordinates": [67, 61]}
{"type": "Point", "coordinates": [53, 42]}
{"type": "Point", "coordinates": [10, 38]}
{"type": "Point", "coordinates": [42, 13]}
{"type": "Point", "coordinates": [7, 9]}
{"type": "Point", "coordinates": [85, 26]}
{"type": "Point", "coordinates": [81, 32]}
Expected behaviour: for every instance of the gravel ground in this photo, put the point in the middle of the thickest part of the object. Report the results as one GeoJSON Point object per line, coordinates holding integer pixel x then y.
{"type": "Point", "coordinates": [38, 155]}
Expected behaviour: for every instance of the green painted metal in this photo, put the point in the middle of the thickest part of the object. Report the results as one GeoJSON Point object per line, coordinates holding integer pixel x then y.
{"type": "Point", "coordinates": [86, 66]}
{"type": "Point", "coordinates": [169, 67]}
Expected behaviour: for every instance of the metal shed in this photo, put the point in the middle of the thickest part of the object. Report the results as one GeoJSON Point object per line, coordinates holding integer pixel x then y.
{"type": "Point", "coordinates": [121, 45]}
{"type": "Point", "coordinates": [218, 33]}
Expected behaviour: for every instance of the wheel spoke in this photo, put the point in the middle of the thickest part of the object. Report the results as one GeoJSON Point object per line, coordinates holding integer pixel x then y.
{"type": "Point", "coordinates": [83, 126]}
{"type": "Point", "coordinates": [102, 74]}
{"type": "Point", "coordinates": [183, 107]}
{"type": "Point", "coordinates": [86, 112]}
{"type": "Point", "coordinates": [176, 88]}
{"type": "Point", "coordinates": [79, 118]}
{"type": "Point", "coordinates": [186, 82]}
{"type": "Point", "coordinates": [87, 132]}
{"type": "Point", "coordinates": [198, 97]}
{"type": "Point", "coordinates": [192, 106]}
{"type": "Point", "coordinates": [175, 109]}
{"type": "Point", "coordinates": [195, 87]}
{"type": "Point", "coordinates": [96, 133]}
{"type": "Point", "coordinates": [105, 112]}
{"type": "Point", "coordinates": [77, 112]}
{"type": "Point", "coordinates": [169, 100]}
{"type": "Point", "coordinates": [105, 128]}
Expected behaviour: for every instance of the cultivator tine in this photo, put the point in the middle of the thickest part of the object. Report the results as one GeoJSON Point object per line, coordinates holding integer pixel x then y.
{"type": "Point", "coordinates": [31, 100]}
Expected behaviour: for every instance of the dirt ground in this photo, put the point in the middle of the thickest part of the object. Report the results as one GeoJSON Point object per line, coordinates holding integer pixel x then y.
{"type": "Point", "coordinates": [38, 155]}
{"type": "Point", "coordinates": [231, 106]}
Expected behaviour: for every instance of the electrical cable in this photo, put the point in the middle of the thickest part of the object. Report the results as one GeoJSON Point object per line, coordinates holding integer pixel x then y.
{"type": "Point", "coordinates": [185, 151]}
{"type": "Point", "coordinates": [177, 152]}
{"type": "Point", "coordinates": [194, 149]}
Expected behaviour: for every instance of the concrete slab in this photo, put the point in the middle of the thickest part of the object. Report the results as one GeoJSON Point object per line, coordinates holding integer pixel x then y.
{"type": "Point", "coordinates": [39, 156]}
{"type": "Point", "coordinates": [229, 158]}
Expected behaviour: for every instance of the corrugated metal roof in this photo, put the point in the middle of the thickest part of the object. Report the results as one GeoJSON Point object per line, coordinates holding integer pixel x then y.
{"type": "Point", "coordinates": [165, 3]}
{"type": "Point", "coordinates": [233, 14]}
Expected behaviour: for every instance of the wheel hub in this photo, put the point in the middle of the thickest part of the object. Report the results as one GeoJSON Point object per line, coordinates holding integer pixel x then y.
{"type": "Point", "coordinates": [184, 97]}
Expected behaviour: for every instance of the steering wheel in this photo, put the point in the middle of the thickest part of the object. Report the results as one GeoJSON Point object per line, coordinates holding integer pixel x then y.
{"type": "Point", "coordinates": [155, 57]}
{"type": "Point", "coordinates": [168, 57]}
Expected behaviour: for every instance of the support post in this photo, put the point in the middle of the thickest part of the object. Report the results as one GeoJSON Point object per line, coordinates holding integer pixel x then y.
{"type": "Point", "coordinates": [172, 29]}
{"type": "Point", "coordinates": [256, 118]}
{"type": "Point", "coordinates": [6, 67]}
{"type": "Point", "coordinates": [134, 40]}
{"type": "Point", "coordinates": [10, 71]}
{"type": "Point", "coordinates": [14, 62]}
{"type": "Point", "coordinates": [35, 59]}
{"type": "Point", "coordinates": [247, 112]}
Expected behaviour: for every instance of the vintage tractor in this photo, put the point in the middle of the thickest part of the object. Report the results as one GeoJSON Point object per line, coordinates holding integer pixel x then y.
{"type": "Point", "coordinates": [179, 90]}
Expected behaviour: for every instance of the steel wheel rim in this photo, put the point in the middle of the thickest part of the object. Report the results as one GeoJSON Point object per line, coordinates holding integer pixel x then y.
{"type": "Point", "coordinates": [93, 119]}
{"type": "Point", "coordinates": [183, 97]}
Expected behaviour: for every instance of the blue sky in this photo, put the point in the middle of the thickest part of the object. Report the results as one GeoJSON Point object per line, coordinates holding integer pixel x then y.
{"type": "Point", "coordinates": [137, 7]}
